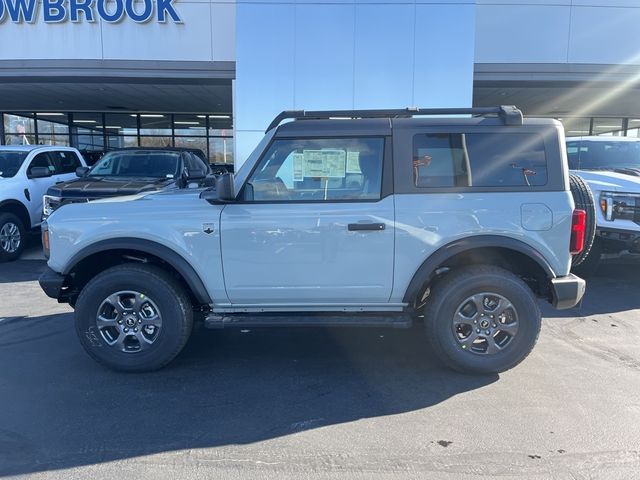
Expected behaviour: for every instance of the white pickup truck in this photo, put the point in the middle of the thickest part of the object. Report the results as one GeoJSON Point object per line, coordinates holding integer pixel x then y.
{"type": "Point", "coordinates": [611, 168]}
{"type": "Point", "coordinates": [26, 172]}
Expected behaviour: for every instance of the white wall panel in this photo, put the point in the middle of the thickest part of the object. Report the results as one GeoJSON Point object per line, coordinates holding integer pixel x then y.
{"type": "Point", "coordinates": [189, 40]}
{"type": "Point", "coordinates": [605, 35]}
{"type": "Point", "coordinates": [223, 31]}
{"type": "Point", "coordinates": [343, 54]}
{"type": "Point", "coordinates": [384, 46]}
{"type": "Point", "coordinates": [57, 40]}
{"type": "Point", "coordinates": [444, 58]}
{"type": "Point", "coordinates": [324, 63]}
{"type": "Point", "coordinates": [265, 75]}
{"type": "Point", "coordinates": [207, 33]}
{"type": "Point", "coordinates": [522, 33]}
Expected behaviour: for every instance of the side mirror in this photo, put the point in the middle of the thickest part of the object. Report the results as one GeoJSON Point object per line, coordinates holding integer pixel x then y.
{"type": "Point", "coordinates": [82, 171]}
{"type": "Point", "coordinates": [225, 188]}
{"type": "Point", "coordinates": [40, 172]}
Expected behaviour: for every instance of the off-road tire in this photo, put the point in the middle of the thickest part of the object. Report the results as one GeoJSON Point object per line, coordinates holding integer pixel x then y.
{"type": "Point", "coordinates": [10, 218]}
{"type": "Point", "coordinates": [155, 284]}
{"type": "Point", "coordinates": [589, 266]}
{"type": "Point", "coordinates": [447, 295]}
{"type": "Point", "coordinates": [583, 199]}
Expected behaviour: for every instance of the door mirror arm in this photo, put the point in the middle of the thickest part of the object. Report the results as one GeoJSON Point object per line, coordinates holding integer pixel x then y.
{"type": "Point", "coordinates": [223, 192]}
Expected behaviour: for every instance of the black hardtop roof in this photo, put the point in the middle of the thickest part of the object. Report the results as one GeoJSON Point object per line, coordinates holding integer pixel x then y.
{"type": "Point", "coordinates": [506, 114]}
{"type": "Point", "coordinates": [384, 126]}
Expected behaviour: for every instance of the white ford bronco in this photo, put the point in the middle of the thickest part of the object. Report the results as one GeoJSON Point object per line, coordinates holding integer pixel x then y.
{"type": "Point", "coordinates": [26, 172]}
{"type": "Point", "coordinates": [357, 218]}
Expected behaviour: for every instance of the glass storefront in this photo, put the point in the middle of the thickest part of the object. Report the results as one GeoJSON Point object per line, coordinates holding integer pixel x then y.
{"type": "Point", "coordinates": [601, 126]}
{"type": "Point", "coordinates": [95, 133]}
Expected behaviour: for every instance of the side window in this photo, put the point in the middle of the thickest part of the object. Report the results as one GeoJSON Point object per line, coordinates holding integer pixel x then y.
{"type": "Point", "coordinates": [440, 160]}
{"type": "Point", "coordinates": [573, 155]}
{"type": "Point", "coordinates": [43, 160]}
{"type": "Point", "coordinates": [479, 160]}
{"type": "Point", "coordinates": [67, 161]}
{"type": "Point", "coordinates": [320, 170]}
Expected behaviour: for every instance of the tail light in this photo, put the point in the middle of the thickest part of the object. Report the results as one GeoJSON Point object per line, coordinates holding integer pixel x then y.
{"type": "Point", "coordinates": [578, 230]}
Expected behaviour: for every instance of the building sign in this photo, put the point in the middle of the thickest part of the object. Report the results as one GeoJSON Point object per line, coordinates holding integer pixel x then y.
{"type": "Point", "coordinates": [77, 11]}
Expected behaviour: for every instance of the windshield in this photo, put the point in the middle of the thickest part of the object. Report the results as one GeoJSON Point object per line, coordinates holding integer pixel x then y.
{"type": "Point", "coordinates": [586, 155]}
{"type": "Point", "coordinates": [139, 163]}
{"type": "Point", "coordinates": [10, 163]}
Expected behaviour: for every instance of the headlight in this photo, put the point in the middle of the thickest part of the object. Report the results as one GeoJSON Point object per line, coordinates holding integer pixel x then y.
{"type": "Point", "coordinates": [620, 206]}
{"type": "Point", "coordinates": [49, 204]}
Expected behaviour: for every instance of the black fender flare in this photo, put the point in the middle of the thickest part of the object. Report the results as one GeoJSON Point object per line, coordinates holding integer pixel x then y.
{"type": "Point", "coordinates": [427, 270]}
{"type": "Point", "coordinates": [177, 261]}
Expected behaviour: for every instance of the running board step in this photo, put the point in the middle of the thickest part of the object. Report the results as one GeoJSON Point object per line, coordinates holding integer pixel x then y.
{"type": "Point", "coordinates": [215, 321]}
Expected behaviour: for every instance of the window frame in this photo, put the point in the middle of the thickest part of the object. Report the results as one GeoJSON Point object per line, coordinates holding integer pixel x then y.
{"type": "Point", "coordinates": [386, 183]}
{"type": "Point", "coordinates": [55, 153]}
{"type": "Point", "coordinates": [51, 158]}
{"type": "Point", "coordinates": [555, 153]}
{"type": "Point", "coordinates": [470, 161]}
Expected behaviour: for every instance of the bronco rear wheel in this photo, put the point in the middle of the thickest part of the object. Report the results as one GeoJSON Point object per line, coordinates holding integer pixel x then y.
{"type": "Point", "coordinates": [133, 317]}
{"type": "Point", "coordinates": [482, 319]}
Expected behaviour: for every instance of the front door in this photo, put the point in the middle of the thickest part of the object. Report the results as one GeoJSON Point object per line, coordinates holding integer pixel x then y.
{"type": "Point", "coordinates": [315, 228]}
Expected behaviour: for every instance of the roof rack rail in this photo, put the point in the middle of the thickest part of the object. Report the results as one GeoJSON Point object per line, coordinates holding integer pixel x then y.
{"type": "Point", "coordinates": [509, 114]}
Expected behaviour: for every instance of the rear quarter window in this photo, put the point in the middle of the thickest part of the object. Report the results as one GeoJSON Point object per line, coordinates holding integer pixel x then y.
{"type": "Point", "coordinates": [479, 160]}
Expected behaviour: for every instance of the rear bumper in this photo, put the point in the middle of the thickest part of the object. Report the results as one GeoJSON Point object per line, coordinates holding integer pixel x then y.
{"type": "Point", "coordinates": [567, 291]}
{"type": "Point", "coordinates": [51, 283]}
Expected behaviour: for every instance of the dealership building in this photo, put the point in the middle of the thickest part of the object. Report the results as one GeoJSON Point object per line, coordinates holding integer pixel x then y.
{"type": "Point", "coordinates": [211, 74]}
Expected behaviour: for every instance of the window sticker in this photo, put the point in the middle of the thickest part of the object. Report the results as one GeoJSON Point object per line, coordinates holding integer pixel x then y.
{"type": "Point", "coordinates": [353, 162]}
{"type": "Point", "coordinates": [298, 167]}
{"type": "Point", "coordinates": [327, 163]}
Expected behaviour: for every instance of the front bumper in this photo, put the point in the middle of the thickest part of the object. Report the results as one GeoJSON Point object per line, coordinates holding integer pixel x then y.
{"type": "Point", "coordinates": [52, 283]}
{"type": "Point", "coordinates": [616, 240]}
{"type": "Point", "coordinates": [567, 291]}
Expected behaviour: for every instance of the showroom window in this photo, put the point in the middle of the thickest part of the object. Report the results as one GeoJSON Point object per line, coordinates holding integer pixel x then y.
{"type": "Point", "coordinates": [93, 133]}
{"type": "Point", "coordinates": [19, 130]}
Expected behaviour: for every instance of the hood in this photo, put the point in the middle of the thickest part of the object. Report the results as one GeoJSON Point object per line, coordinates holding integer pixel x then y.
{"type": "Point", "coordinates": [607, 180]}
{"type": "Point", "coordinates": [98, 187]}
{"type": "Point", "coordinates": [169, 196]}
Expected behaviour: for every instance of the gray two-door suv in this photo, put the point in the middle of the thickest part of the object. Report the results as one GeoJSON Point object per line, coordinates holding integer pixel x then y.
{"type": "Point", "coordinates": [379, 218]}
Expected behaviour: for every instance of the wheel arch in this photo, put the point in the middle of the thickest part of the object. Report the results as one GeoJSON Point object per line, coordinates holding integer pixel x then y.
{"type": "Point", "coordinates": [509, 253]}
{"type": "Point", "coordinates": [101, 255]}
{"type": "Point", "coordinates": [18, 209]}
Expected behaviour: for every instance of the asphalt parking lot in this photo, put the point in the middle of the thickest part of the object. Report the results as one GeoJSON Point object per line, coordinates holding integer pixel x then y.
{"type": "Point", "coordinates": [322, 403]}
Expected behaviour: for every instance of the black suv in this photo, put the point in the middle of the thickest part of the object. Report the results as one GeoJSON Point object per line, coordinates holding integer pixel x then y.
{"type": "Point", "coordinates": [129, 171]}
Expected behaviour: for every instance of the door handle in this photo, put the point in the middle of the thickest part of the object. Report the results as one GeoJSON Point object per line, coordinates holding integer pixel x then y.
{"type": "Point", "coordinates": [365, 226]}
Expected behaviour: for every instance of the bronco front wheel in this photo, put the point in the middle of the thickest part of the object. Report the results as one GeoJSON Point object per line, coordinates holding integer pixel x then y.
{"type": "Point", "coordinates": [133, 317]}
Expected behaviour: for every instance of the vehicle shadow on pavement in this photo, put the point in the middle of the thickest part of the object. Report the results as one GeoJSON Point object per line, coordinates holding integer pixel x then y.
{"type": "Point", "coordinates": [613, 288]}
{"type": "Point", "coordinates": [21, 271]}
{"type": "Point", "coordinates": [61, 410]}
